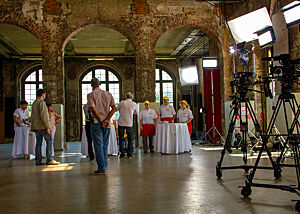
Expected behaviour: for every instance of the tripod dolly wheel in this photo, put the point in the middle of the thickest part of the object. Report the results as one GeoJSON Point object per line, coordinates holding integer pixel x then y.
{"type": "Point", "coordinates": [218, 172]}
{"type": "Point", "coordinates": [277, 172]}
{"type": "Point", "coordinates": [297, 206]}
{"type": "Point", "coordinates": [246, 191]}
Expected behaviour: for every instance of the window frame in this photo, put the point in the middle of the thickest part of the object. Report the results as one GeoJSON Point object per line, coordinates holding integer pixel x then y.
{"type": "Point", "coordinates": [107, 82]}
{"type": "Point", "coordinates": [37, 82]}
{"type": "Point", "coordinates": [161, 81]}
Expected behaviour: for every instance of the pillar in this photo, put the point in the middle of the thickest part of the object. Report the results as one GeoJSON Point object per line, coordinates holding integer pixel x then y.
{"type": "Point", "coordinates": [145, 71]}
{"type": "Point", "coordinates": [53, 82]}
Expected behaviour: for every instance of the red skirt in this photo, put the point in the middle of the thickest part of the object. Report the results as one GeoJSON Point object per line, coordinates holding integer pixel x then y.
{"type": "Point", "coordinates": [169, 119]}
{"type": "Point", "coordinates": [148, 130]}
{"type": "Point", "coordinates": [190, 127]}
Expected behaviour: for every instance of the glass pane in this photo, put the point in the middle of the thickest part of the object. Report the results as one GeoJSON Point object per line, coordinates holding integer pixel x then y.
{"type": "Point", "coordinates": [156, 74]}
{"type": "Point", "coordinates": [86, 89]}
{"type": "Point", "coordinates": [88, 77]}
{"type": "Point", "coordinates": [114, 89]}
{"type": "Point", "coordinates": [168, 91]}
{"type": "Point", "coordinates": [83, 115]}
{"type": "Point", "coordinates": [31, 77]}
{"type": "Point", "coordinates": [40, 75]}
{"type": "Point", "coordinates": [112, 77]}
{"type": "Point", "coordinates": [40, 86]}
{"type": "Point", "coordinates": [157, 92]}
{"type": "Point", "coordinates": [100, 74]}
{"type": "Point", "coordinates": [103, 87]}
{"type": "Point", "coordinates": [165, 76]}
{"type": "Point", "coordinates": [30, 93]}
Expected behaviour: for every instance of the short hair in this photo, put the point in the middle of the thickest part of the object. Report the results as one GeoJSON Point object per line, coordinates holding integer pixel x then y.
{"type": "Point", "coordinates": [129, 95]}
{"type": "Point", "coordinates": [48, 104]}
{"type": "Point", "coordinates": [23, 102]}
{"type": "Point", "coordinates": [95, 82]}
{"type": "Point", "coordinates": [40, 91]}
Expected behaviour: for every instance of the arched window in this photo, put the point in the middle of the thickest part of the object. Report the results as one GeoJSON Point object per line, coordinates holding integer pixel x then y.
{"type": "Point", "coordinates": [31, 81]}
{"type": "Point", "coordinates": [165, 85]}
{"type": "Point", "coordinates": [110, 81]}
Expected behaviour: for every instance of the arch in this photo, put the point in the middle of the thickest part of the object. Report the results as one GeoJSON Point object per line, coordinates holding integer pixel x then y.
{"type": "Point", "coordinates": [41, 34]}
{"type": "Point", "coordinates": [71, 33]}
{"type": "Point", "coordinates": [168, 23]}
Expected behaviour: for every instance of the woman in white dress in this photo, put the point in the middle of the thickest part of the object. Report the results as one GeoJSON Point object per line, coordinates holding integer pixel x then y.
{"type": "Point", "coordinates": [54, 119]}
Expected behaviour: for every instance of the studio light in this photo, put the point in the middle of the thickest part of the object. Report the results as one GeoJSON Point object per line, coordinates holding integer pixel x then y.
{"type": "Point", "coordinates": [189, 75]}
{"type": "Point", "coordinates": [266, 36]}
{"type": "Point", "coordinates": [210, 62]}
{"type": "Point", "coordinates": [291, 13]}
{"type": "Point", "coordinates": [243, 28]}
{"type": "Point", "coordinates": [231, 50]}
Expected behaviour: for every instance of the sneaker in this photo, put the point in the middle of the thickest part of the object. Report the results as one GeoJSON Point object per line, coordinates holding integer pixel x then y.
{"type": "Point", "coordinates": [53, 162]}
{"type": "Point", "coordinates": [100, 172]}
{"type": "Point", "coordinates": [122, 157]}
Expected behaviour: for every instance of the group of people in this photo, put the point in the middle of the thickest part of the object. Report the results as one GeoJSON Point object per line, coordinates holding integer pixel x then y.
{"type": "Point", "coordinates": [100, 110]}
{"type": "Point", "coordinates": [99, 113]}
{"type": "Point", "coordinates": [42, 121]}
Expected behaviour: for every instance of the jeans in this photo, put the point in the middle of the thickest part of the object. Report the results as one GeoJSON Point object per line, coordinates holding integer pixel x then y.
{"type": "Point", "coordinates": [89, 139]}
{"type": "Point", "coordinates": [40, 134]}
{"type": "Point", "coordinates": [129, 132]}
{"type": "Point", "coordinates": [100, 138]}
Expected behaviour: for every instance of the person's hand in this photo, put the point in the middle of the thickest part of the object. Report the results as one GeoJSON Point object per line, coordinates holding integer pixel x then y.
{"type": "Point", "coordinates": [141, 129]}
{"type": "Point", "coordinates": [105, 123]}
{"type": "Point", "coordinates": [48, 131]}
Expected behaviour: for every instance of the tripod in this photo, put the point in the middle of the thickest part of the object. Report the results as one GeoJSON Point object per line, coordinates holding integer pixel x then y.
{"type": "Point", "coordinates": [237, 108]}
{"type": "Point", "coordinates": [291, 139]}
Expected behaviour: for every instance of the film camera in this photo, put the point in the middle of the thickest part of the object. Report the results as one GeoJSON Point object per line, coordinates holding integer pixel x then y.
{"type": "Point", "coordinates": [242, 82]}
{"type": "Point", "coordinates": [284, 71]}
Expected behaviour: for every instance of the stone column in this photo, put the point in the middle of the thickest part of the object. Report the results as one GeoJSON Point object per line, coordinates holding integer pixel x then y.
{"type": "Point", "coordinates": [53, 82]}
{"type": "Point", "coordinates": [145, 71]}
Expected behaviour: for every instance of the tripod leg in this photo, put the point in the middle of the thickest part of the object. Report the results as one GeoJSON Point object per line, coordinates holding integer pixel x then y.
{"type": "Point", "coordinates": [228, 141]}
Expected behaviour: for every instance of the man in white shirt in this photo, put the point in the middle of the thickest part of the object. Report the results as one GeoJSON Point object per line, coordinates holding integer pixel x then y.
{"type": "Point", "coordinates": [21, 115]}
{"type": "Point", "coordinates": [166, 111]}
{"type": "Point", "coordinates": [126, 108]}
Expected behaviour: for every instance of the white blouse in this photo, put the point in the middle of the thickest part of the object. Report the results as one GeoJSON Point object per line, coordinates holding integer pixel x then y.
{"type": "Point", "coordinates": [166, 111]}
{"type": "Point", "coordinates": [148, 116]}
{"type": "Point", "coordinates": [184, 115]}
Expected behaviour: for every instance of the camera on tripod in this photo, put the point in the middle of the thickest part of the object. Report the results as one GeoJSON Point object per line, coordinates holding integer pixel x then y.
{"type": "Point", "coordinates": [285, 72]}
{"type": "Point", "coordinates": [241, 81]}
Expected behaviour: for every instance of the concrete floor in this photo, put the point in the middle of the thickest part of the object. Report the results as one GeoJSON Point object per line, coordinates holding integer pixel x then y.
{"type": "Point", "coordinates": [151, 183]}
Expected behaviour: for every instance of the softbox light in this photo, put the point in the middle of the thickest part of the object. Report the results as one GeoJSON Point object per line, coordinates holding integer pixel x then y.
{"type": "Point", "coordinates": [266, 36]}
{"type": "Point", "coordinates": [209, 63]}
{"type": "Point", "coordinates": [188, 75]}
{"type": "Point", "coordinates": [291, 13]}
{"type": "Point", "coordinates": [244, 27]}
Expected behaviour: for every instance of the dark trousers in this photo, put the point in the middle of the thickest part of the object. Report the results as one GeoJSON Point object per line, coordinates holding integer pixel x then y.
{"type": "Point", "coordinates": [129, 133]}
{"type": "Point", "coordinates": [89, 139]}
{"type": "Point", "coordinates": [145, 143]}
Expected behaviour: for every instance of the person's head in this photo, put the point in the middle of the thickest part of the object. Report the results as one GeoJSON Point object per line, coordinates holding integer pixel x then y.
{"type": "Point", "coordinates": [41, 93]}
{"type": "Point", "coordinates": [23, 104]}
{"type": "Point", "coordinates": [129, 95]}
{"type": "Point", "coordinates": [49, 105]}
{"type": "Point", "coordinates": [183, 104]}
{"type": "Point", "coordinates": [147, 104]}
{"type": "Point", "coordinates": [166, 100]}
{"type": "Point", "coordinates": [95, 83]}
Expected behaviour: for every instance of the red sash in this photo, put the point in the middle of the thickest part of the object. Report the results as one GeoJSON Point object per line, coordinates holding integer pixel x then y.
{"type": "Point", "coordinates": [148, 130]}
